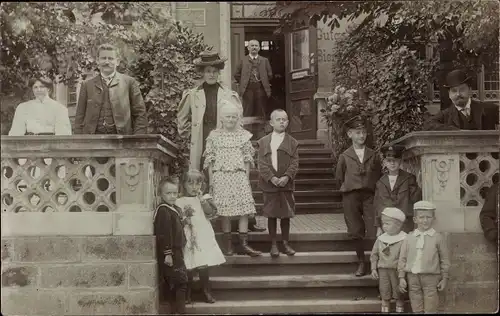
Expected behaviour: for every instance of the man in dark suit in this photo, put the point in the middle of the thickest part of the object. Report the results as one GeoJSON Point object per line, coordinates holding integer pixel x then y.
{"type": "Point", "coordinates": [254, 74]}
{"type": "Point", "coordinates": [488, 216]}
{"type": "Point", "coordinates": [110, 103]}
{"type": "Point", "coordinates": [465, 113]}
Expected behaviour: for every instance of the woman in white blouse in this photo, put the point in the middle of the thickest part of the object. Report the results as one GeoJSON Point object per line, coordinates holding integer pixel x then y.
{"type": "Point", "coordinates": [41, 116]}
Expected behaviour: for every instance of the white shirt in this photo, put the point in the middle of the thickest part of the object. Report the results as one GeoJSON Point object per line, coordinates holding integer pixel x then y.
{"type": "Point", "coordinates": [360, 153]}
{"type": "Point", "coordinates": [420, 248]}
{"type": "Point", "coordinates": [35, 116]}
{"type": "Point", "coordinates": [253, 57]}
{"type": "Point", "coordinates": [107, 79]}
{"type": "Point", "coordinates": [276, 140]}
{"type": "Point", "coordinates": [465, 110]}
{"type": "Point", "coordinates": [392, 181]}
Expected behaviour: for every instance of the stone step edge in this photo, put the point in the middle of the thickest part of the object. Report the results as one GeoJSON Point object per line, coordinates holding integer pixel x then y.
{"type": "Point", "coordinates": [325, 235]}
{"type": "Point", "coordinates": [308, 181]}
{"type": "Point", "coordinates": [292, 305]}
{"type": "Point", "coordinates": [326, 204]}
{"type": "Point", "coordinates": [315, 257]}
{"type": "Point", "coordinates": [310, 193]}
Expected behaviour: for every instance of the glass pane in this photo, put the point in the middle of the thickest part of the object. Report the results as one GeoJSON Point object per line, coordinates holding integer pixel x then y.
{"type": "Point", "coordinates": [301, 116]}
{"type": "Point", "coordinates": [300, 50]}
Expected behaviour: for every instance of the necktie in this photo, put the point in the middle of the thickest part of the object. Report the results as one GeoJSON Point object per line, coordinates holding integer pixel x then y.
{"type": "Point", "coordinates": [465, 111]}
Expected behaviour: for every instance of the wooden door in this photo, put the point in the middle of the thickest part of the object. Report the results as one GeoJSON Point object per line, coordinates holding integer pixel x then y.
{"type": "Point", "coordinates": [301, 82]}
{"type": "Point", "coordinates": [237, 50]}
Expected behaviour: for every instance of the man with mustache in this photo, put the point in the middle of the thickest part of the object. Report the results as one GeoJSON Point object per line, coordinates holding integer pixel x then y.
{"type": "Point", "coordinates": [254, 74]}
{"type": "Point", "coordinates": [465, 113]}
{"type": "Point", "coordinates": [111, 102]}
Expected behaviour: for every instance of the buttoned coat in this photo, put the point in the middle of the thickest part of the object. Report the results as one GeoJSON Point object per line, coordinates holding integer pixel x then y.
{"type": "Point", "coordinates": [190, 118]}
{"type": "Point", "coordinates": [129, 110]}
{"type": "Point", "coordinates": [484, 117]}
{"type": "Point", "coordinates": [405, 193]}
{"type": "Point", "coordinates": [288, 163]}
{"type": "Point", "coordinates": [355, 175]}
{"type": "Point", "coordinates": [244, 70]}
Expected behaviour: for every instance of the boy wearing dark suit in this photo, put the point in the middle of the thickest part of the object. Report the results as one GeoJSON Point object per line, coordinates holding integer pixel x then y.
{"type": "Point", "coordinates": [358, 169]}
{"type": "Point", "coordinates": [278, 163]}
{"type": "Point", "coordinates": [397, 188]}
{"type": "Point", "coordinates": [170, 242]}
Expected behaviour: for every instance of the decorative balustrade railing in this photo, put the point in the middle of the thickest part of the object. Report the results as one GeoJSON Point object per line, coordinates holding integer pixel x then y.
{"type": "Point", "coordinates": [455, 170]}
{"type": "Point", "coordinates": [82, 173]}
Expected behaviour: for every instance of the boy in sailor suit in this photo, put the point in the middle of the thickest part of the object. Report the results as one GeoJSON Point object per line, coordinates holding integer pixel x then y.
{"type": "Point", "coordinates": [385, 255]}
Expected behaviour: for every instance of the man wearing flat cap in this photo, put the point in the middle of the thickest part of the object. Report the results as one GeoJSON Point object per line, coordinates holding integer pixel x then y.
{"type": "Point", "coordinates": [465, 113]}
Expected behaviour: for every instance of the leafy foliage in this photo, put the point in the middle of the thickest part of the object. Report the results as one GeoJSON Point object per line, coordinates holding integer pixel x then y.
{"type": "Point", "coordinates": [59, 39]}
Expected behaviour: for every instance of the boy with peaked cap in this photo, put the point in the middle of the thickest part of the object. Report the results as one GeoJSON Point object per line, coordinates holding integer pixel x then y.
{"type": "Point", "coordinates": [385, 255]}
{"type": "Point", "coordinates": [396, 188]}
{"type": "Point", "coordinates": [424, 261]}
{"type": "Point", "coordinates": [358, 169]}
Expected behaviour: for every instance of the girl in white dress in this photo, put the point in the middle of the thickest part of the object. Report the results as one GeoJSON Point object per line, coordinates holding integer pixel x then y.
{"type": "Point", "coordinates": [229, 156]}
{"type": "Point", "coordinates": [201, 250]}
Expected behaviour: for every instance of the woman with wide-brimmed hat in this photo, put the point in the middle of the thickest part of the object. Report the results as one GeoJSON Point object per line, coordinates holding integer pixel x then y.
{"type": "Point", "coordinates": [198, 112]}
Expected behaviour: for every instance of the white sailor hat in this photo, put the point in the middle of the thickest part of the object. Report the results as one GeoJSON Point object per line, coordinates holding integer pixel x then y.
{"type": "Point", "coordinates": [395, 213]}
{"type": "Point", "coordinates": [424, 205]}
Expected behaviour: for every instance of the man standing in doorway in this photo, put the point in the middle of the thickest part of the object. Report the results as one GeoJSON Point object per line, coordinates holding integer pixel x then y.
{"type": "Point", "coordinates": [254, 74]}
{"type": "Point", "coordinates": [111, 102]}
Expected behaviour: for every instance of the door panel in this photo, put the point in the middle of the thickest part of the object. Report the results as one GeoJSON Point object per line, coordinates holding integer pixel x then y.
{"type": "Point", "coordinates": [237, 50]}
{"type": "Point", "coordinates": [301, 82]}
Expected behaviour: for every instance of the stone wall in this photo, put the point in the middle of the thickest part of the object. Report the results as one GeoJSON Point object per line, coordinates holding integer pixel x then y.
{"type": "Point", "coordinates": [68, 275]}
{"type": "Point", "coordinates": [473, 284]}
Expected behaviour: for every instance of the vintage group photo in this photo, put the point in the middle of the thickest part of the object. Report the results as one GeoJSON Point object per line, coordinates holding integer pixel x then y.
{"type": "Point", "coordinates": [253, 157]}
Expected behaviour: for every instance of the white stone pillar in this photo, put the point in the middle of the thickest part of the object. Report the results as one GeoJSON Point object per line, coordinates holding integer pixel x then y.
{"type": "Point", "coordinates": [225, 40]}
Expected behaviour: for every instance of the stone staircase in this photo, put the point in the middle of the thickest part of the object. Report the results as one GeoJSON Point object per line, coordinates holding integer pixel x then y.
{"type": "Point", "coordinates": [319, 278]}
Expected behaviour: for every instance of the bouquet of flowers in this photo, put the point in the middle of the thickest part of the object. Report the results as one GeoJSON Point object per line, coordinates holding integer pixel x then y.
{"type": "Point", "coordinates": [188, 212]}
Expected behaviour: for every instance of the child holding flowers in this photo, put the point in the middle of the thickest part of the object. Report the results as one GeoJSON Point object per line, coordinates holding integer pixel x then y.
{"type": "Point", "coordinates": [201, 250]}
{"type": "Point", "coordinates": [228, 158]}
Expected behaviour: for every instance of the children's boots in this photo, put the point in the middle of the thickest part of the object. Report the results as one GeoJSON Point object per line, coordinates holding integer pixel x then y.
{"type": "Point", "coordinates": [246, 248]}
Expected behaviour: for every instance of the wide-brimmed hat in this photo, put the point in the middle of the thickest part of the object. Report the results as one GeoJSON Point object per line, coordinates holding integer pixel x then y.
{"type": "Point", "coordinates": [209, 57]}
{"type": "Point", "coordinates": [455, 78]}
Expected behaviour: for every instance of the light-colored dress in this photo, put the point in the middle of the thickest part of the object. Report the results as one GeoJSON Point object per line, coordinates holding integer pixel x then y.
{"type": "Point", "coordinates": [35, 116]}
{"type": "Point", "coordinates": [227, 152]}
{"type": "Point", "coordinates": [205, 251]}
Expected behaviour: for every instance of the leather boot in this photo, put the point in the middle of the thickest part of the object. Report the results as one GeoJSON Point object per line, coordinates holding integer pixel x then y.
{"type": "Point", "coordinates": [246, 248]}
{"type": "Point", "coordinates": [361, 270]}
{"type": "Point", "coordinates": [274, 249]}
{"type": "Point", "coordinates": [180, 301]}
{"type": "Point", "coordinates": [228, 244]}
{"type": "Point", "coordinates": [288, 250]}
{"type": "Point", "coordinates": [205, 285]}
{"type": "Point", "coordinates": [360, 253]}
{"type": "Point", "coordinates": [189, 288]}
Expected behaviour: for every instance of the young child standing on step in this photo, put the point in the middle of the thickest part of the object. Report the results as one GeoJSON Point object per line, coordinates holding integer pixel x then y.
{"type": "Point", "coordinates": [201, 250]}
{"type": "Point", "coordinates": [397, 188]}
{"type": "Point", "coordinates": [278, 163]}
{"type": "Point", "coordinates": [424, 261]}
{"type": "Point", "coordinates": [228, 157]}
{"type": "Point", "coordinates": [170, 243]}
{"type": "Point", "coordinates": [358, 169]}
{"type": "Point", "coordinates": [385, 255]}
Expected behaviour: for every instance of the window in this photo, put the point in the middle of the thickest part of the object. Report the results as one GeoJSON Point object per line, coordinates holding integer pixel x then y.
{"type": "Point", "coordinates": [300, 50]}
{"type": "Point", "coordinates": [71, 97]}
{"type": "Point", "coordinates": [264, 45]}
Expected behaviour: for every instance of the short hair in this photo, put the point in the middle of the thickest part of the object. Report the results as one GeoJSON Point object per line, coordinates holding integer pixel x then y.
{"type": "Point", "coordinates": [170, 180]}
{"type": "Point", "coordinates": [273, 113]}
{"type": "Point", "coordinates": [192, 175]}
{"type": "Point", "coordinates": [107, 47]}
{"type": "Point", "coordinates": [219, 67]}
{"type": "Point", "coordinates": [47, 82]}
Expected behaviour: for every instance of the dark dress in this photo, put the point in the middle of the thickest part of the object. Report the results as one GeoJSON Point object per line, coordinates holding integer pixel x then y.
{"type": "Point", "coordinates": [210, 116]}
{"type": "Point", "coordinates": [170, 239]}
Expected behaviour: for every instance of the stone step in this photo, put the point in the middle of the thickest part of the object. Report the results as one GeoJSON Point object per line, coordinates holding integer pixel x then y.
{"type": "Point", "coordinates": [304, 173]}
{"type": "Point", "coordinates": [305, 144]}
{"type": "Point", "coordinates": [312, 208]}
{"type": "Point", "coordinates": [321, 262]}
{"type": "Point", "coordinates": [307, 196]}
{"type": "Point", "coordinates": [284, 306]}
{"type": "Point", "coordinates": [300, 241]}
{"type": "Point", "coordinates": [306, 184]}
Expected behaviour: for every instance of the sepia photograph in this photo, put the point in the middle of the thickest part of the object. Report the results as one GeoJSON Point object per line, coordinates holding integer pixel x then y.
{"type": "Point", "coordinates": [250, 157]}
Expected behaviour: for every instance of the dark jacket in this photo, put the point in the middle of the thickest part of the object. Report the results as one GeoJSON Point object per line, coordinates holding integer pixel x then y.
{"type": "Point", "coordinates": [405, 193]}
{"type": "Point", "coordinates": [129, 111]}
{"type": "Point", "coordinates": [483, 116]}
{"type": "Point", "coordinates": [244, 70]}
{"type": "Point", "coordinates": [489, 214]}
{"type": "Point", "coordinates": [288, 163]}
{"type": "Point", "coordinates": [355, 175]}
{"type": "Point", "coordinates": [169, 232]}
